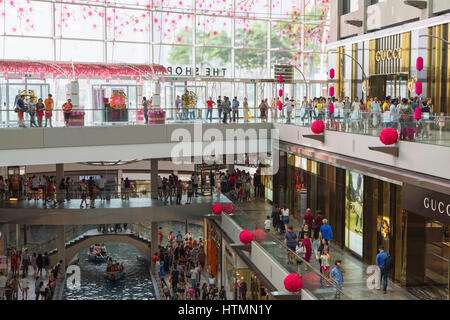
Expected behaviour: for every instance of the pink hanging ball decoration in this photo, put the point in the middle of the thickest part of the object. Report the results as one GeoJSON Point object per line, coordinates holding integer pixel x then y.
{"type": "Point", "coordinates": [418, 88]}
{"type": "Point", "coordinates": [331, 108]}
{"type": "Point", "coordinates": [419, 64]}
{"type": "Point", "coordinates": [388, 136]}
{"type": "Point", "coordinates": [331, 92]}
{"type": "Point", "coordinates": [317, 127]}
{"type": "Point", "coordinates": [418, 113]}
{"type": "Point", "coordinates": [332, 73]}
{"type": "Point", "coordinates": [217, 209]}
{"type": "Point", "coordinates": [246, 236]}
{"type": "Point", "coordinates": [228, 208]}
{"type": "Point", "coordinates": [280, 106]}
{"type": "Point", "coordinates": [280, 92]}
{"type": "Point", "coordinates": [259, 235]}
{"type": "Point", "coordinates": [293, 283]}
{"type": "Point", "coordinates": [280, 78]}
{"type": "Point", "coordinates": [311, 281]}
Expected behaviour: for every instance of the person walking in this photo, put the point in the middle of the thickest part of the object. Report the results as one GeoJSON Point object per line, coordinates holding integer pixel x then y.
{"type": "Point", "coordinates": [178, 108]}
{"type": "Point", "coordinates": [179, 191]}
{"type": "Point", "coordinates": [325, 231]}
{"type": "Point", "coordinates": [308, 218]}
{"type": "Point", "coordinates": [235, 106]}
{"type": "Point", "coordinates": [67, 108]}
{"type": "Point", "coordinates": [3, 280]}
{"type": "Point", "coordinates": [247, 114]}
{"type": "Point", "coordinates": [219, 107]}
{"type": "Point", "coordinates": [24, 286]}
{"type": "Point", "coordinates": [32, 111]}
{"type": "Point", "coordinates": [337, 275]}
{"type": "Point", "coordinates": [291, 242]}
{"type": "Point", "coordinates": [209, 108]}
{"type": "Point", "coordinates": [39, 264]}
{"type": "Point", "coordinates": [382, 260]}
{"type": "Point", "coordinates": [48, 110]}
{"type": "Point", "coordinates": [145, 109]}
{"type": "Point", "coordinates": [21, 109]}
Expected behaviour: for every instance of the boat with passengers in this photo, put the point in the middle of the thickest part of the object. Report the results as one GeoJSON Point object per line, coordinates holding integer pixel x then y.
{"type": "Point", "coordinates": [97, 253]}
{"type": "Point", "coordinates": [114, 270]}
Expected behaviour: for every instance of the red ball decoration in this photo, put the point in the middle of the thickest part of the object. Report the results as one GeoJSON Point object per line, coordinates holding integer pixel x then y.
{"type": "Point", "coordinates": [228, 208]}
{"type": "Point", "coordinates": [280, 92]}
{"type": "Point", "coordinates": [418, 88]}
{"type": "Point", "coordinates": [331, 92]}
{"type": "Point", "coordinates": [332, 73]}
{"type": "Point", "coordinates": [259, 235]}
{"type": "Point", "coordinates": [217, 208]}
{"type": "Point", "coordinates": [280, 78]}
{"type": "Point", "coordinates": [293, 283]}
{"type": "Point", "coordinates": [418, 113]}
{"type": "Point", "coordinates": [280, 106]}
{"type": "Point", "coordinates": [311, 281]}
{"type": "Point", "coordinates": [388, 136]}
{"type": "Point", "coordinates": [246, 236]}
{"type": "Point", "coordinates": [419, 64]}
{"type": "Point", "coordinates": [331, 108]}
{"type": "Point", "coordinates": [317, 127]}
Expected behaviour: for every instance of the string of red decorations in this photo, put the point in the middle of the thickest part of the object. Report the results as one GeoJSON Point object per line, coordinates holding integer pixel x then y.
{"type": "Point", "coordinates": [91, 70]}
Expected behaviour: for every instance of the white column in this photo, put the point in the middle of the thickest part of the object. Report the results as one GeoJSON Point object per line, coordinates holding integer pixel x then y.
{"type": "Point", "coordinates": [154, 178]}
{"type": "Point", "coordinates": [156, 102]}
{"type": "Point", "coordinates": [61, 245]}
{"type": "Point", "coordinates": [154, 241]}
{"type": "Point", "coordinates": [119, 178]}
{"type": "Point", "coordinates": [59, 177]}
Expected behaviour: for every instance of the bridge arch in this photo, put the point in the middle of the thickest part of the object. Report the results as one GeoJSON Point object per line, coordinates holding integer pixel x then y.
{"type": "Point", "coordinates": [73, 248]}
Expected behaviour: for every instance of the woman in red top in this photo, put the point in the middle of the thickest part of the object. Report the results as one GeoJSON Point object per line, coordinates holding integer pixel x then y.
{"type": "Point", "coordinates": [307, 246]}
{"type": "Point", "coordinates": [14, 261]}
{"type": "Point", "coordinates": [40, 107]}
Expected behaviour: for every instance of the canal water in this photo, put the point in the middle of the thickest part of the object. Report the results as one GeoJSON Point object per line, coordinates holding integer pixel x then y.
{"type": "Point", "coordinates": [136, 285]}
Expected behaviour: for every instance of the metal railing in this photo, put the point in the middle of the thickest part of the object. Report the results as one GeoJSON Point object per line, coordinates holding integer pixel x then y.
{"type": "Point", "coordinates": [433, 128]}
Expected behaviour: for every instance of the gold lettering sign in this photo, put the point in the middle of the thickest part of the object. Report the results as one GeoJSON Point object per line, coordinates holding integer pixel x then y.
{"type": "Point", "coordinates": [388, 54]}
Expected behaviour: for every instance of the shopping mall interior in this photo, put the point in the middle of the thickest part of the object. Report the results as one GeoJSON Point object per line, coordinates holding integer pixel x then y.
{"type": "Point", "coordinates": [224, 150]}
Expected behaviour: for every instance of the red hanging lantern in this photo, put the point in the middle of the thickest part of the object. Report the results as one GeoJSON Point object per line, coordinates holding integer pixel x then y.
{"type": "Point", "coordinates": [332, 73]}
{"type": "Point", "coordinates": [228, 208]}
{"type": "Point", "coordinates": [259, 235]}
{"type": "Point", "coordinates": [317, 127]}
{"type": "Point", "coordinates": [388, 136]}
{"type": "Point", "coordinates": [418, 88]}
{"type": "Point", "coordinates": [331, 92]}
{"type": "Point", "coordinates": [280, 78]}
{"type": "Point", "coordinates": [280, 92]}
{"type": "Point", "coordinates": [293, 283]}
{"type": "Point", "coordinates": [419, 64]}
{"type": "Point", "coordinates": [418, 113]}
{"type": "Point", "coordinates": [331, 108]}
{"type": "Point", "coordinates": [217, 208]}
{"type": "Point", "coordinates": [246, 236]}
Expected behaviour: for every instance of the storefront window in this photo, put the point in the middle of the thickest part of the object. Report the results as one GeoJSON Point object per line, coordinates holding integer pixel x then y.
{"type": "Point", "coordinates": [354, 211]}
{"type": "Point", "coordinates": [437, 252]}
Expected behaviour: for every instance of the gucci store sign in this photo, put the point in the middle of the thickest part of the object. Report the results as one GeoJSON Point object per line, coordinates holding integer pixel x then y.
{"type": "Point", "coordinates": [388, 54]}
{"type": "Point", "coordinates": [431, 204]}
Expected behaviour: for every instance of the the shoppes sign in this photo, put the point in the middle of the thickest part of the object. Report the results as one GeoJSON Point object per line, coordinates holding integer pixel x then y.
{"type": "Point", "coordinates": [431, 204]}
{"type": "Point", "coordinates": [189, 71]}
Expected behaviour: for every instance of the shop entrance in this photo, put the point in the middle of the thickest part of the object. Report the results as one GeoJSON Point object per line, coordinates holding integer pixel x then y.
{"type": "Point", "coordinates": [394, 86]}
{"type": "Point", "coordinates": [177, 89]}
{"type": "Point", "coordinates": [8, 97]}
{"type": "Point", "coordinates": [15, 175]}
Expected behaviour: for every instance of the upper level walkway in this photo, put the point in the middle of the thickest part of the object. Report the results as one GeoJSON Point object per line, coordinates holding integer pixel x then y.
{"type": "Point", "coordinates": [134, 210]}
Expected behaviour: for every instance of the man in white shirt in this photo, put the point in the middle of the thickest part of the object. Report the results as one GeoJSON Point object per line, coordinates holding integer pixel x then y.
{"type": "Point", "coordinates": [375, 109]}
{"type": "Point", "coordinates": [267, 224]}
{"type": "Point", "coordinates": [339, 109]}
{"type": "Point", "coordinates": [288, 107]}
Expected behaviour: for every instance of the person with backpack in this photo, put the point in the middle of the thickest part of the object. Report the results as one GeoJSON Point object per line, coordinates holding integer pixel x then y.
{"type": "Point", "coordinates": [325, 231]}
{"type": "Point", "coordinates": [291, 242]}
{"type": "Point", "coordinates": [383, 261]}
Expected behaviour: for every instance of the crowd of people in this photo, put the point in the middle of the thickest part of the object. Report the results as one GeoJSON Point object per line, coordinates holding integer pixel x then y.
{"type": "Point", "coordinates": [18, 278]}
{"type": "Point", "coordinates": [38, 109]}
{"type": "Point", "coordinates": [180, 265]}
